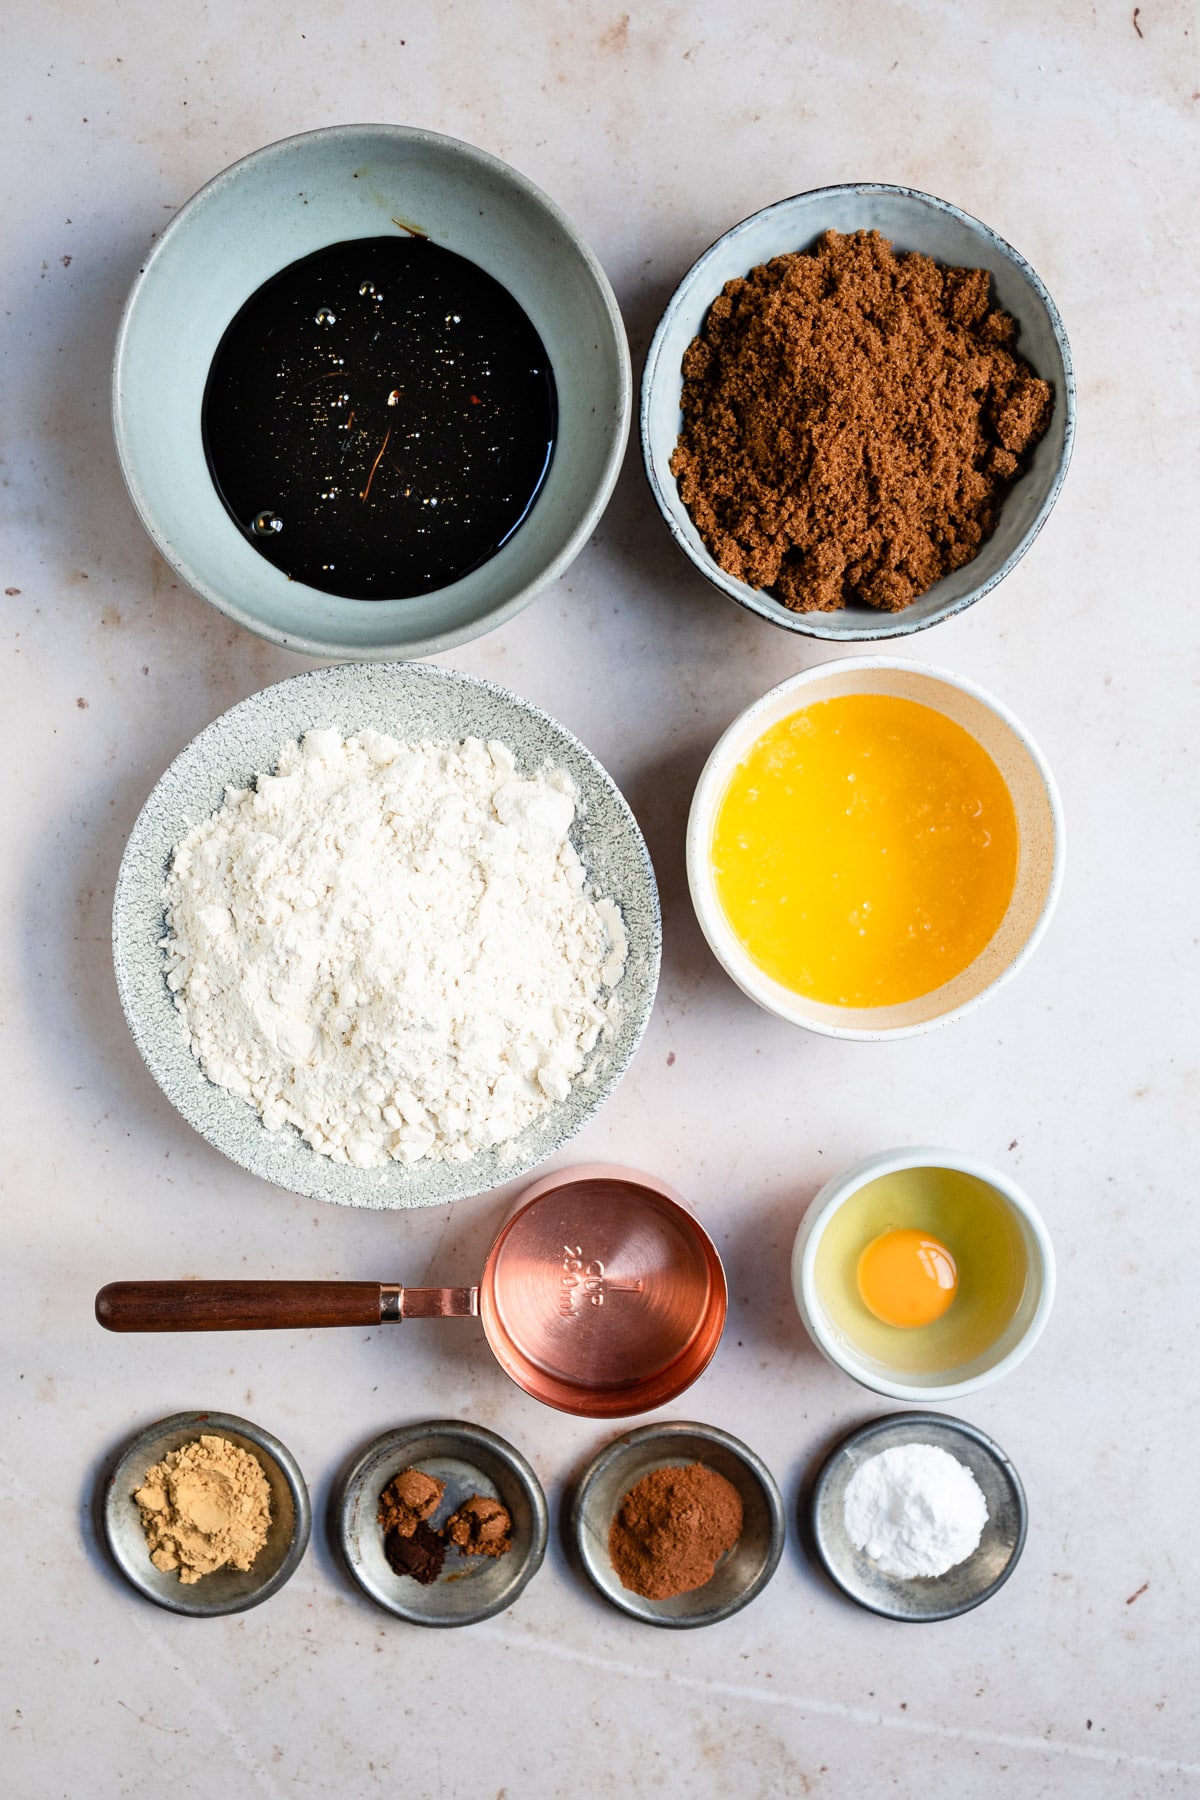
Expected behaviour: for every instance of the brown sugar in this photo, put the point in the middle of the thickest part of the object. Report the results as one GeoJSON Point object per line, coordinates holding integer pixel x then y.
{"type": "Point", "coordinates": [852, 420]}
{"type": "Point", "coordinates": [671, 1530]}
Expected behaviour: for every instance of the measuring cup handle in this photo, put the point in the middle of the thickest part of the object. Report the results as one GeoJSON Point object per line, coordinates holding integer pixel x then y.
{"type": "Point", "coordinates": [236, 1305]}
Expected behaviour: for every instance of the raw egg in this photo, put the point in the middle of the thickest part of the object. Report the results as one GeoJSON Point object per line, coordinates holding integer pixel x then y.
{"type": "Point", "coordinates": [907, 1278]}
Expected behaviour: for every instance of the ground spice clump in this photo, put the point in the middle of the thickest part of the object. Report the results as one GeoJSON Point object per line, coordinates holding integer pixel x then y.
{"type": "Point", "coordinates": [480, 1527]}
{"type": "Point", "coordinates": [414, 1546]}
{"type": "Point", "coordinates": [419, 1553]}
{"type": "Point", "coordinates": [409, 1498]}
{"type": "Point", "coordinates": [852, 420]}
{"type": "Point", "coordinates": [204, 1506]}
{"type": "Point", "coordinates": [671, 1530]}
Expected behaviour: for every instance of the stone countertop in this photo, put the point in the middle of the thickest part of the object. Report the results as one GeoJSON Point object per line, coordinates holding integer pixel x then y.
{"type": "Point", "coordinates": [1072, 132]}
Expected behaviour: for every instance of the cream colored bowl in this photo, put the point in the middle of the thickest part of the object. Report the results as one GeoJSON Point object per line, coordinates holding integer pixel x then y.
{"type": "Point", "coordinates": [1017, 1328]}
{"type": "Point", "coordinates": [1039, 826]}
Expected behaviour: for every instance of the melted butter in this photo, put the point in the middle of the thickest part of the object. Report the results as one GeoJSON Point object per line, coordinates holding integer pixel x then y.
{"type": "Point", "coordinates": [865, 850]}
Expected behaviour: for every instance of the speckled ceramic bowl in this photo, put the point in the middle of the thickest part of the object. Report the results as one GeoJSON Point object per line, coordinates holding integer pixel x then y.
{"type": "Point", "coordinates": [925, 1599]}
{"type": "Point", "coordinates": [470, 1460]}
{"type": "Point", "coordinates": [911, 221]}
{"type": "Point", "coordinates": [285, 202]}
{"type": "Point", "coordinates": [225, 1590]}
{"type": "Point", "coordinates": [742, 1573]}
{"type": "Point", "coordinates": [410, 701]}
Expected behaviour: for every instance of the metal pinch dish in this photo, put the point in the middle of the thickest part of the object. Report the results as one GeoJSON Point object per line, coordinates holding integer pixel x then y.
{"type": "Point", "coordinates": [601, 1296]}
{"type": "Point", "coordinates": [922, 1600]}
{"type": "Point", "coordinates": [226, 1590]}
{"type": "Point", "coordinates": [470, 1460]}
{"type": "Point", "coordinates": [742, 1573]}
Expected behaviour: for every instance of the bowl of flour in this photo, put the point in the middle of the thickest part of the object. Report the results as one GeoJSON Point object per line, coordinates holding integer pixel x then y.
{"type": "Point", "coordinates": [386, 935]}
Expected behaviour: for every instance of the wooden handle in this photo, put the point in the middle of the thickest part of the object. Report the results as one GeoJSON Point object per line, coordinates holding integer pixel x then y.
{"type": "Point", "coordinates": [235, 1305]}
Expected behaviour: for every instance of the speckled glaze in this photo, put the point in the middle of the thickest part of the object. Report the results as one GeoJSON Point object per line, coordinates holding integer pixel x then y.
{"type": "Point", "coordinates": [225, 1590]}
{"type": "Point", "coordinates": [280, 204]}
{"type": "Point", "coordinates": [925, 1599]}
{"type": "Point", "coordinates": [411, 701]}
{"type": "Point", "coordinates": [909, 220]}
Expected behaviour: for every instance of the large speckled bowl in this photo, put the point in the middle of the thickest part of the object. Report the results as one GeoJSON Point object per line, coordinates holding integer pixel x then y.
{"type": "Point", "coordinates": [280, 204]}
{"type": "Point", "coordinates": [411, 701]}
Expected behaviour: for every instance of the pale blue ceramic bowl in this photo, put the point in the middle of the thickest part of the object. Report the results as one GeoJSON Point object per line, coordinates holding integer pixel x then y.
{"type": "Point", "coordinates": [910, 221]}
{"type": "Point", "coordinates": [283, 203]}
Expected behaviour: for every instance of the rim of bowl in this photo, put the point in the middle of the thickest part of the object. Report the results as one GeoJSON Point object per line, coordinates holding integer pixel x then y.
{"type": "Point", "coordinates": [840, 1188]}
{"type": "Point", "coordinates": [755, 599]}
{"type": "Point", "coordinates": [707, 906]}
{"type": "Point", "coordinates": [185, 1601]}
{"type": "Point", "coordinates": [436, 642]}
{"type": "Point", "coordinates": [626, 1447]}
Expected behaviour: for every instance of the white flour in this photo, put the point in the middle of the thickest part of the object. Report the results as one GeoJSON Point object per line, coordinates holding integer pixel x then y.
{"type": "Point", "coordinates": [915, 1510]}
{"type": "Point", "coordinates": [392, 946]}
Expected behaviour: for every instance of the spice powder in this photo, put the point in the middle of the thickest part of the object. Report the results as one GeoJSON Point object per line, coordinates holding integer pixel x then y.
{"type": "Point", "coordinates": [852, 420]}
{"type": "Point", "coordinates": [671, 1530]}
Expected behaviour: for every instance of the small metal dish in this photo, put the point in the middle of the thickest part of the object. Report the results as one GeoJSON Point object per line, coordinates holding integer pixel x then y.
{"type": "Point", "coordinates": [924, 1599]}
{"type": "Point", "coordinates": [740, 1576]}
{"type": "Point", "coordinates": [225, 1590]}
{"type": "Point", "coordinates": [470, 1460]}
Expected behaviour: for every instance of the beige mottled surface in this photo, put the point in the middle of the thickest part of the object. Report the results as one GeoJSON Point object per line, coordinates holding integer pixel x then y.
{"type": "Point", "coordinates": [1071, 130]}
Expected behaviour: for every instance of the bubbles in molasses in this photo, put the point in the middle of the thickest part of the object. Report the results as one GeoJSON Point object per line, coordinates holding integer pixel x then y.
{"type": "Point", "coordinates": [383, 393]}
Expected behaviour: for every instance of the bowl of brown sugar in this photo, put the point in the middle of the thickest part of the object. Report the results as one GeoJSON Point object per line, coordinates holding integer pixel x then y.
{"type": "Point", "coordinates": [857, 411]}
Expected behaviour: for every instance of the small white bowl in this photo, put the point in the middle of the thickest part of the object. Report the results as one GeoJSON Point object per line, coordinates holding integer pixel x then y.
{"type": "Point", "coordinates": [1014, 1342]}
{"type": "Point", "coordinates": [1039, 826]}
{"type": "Point", "coordinates": [909, 220]}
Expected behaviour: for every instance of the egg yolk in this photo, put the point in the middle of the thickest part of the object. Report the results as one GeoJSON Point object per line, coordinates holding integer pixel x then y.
{"type": "Point", "coordinates": [906, 1278]}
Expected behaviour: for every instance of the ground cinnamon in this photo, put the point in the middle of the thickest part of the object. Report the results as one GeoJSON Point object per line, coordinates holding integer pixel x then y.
{"type": "Point", "coordinates": [671, 1530]}
{"type": "Point", "coordinates": [852, 420]}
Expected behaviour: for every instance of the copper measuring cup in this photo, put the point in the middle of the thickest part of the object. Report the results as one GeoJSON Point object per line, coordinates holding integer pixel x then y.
{"type": "Point", "coordinates": [601, 1296]}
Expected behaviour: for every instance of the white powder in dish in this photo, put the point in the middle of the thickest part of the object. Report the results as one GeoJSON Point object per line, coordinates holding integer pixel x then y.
{"type": "Point", "coordinates": [392, 947]}
{"type": "Point", "coordinates": [914, 1510]}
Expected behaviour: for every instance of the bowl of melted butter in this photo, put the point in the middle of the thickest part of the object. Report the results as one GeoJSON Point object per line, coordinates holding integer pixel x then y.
{"type": "Point", "coordinates": [371, 392]}
{"type": "Point", "coordinates": [874, 847]}
{"type": "Point", "coordinates": [923, 1273]}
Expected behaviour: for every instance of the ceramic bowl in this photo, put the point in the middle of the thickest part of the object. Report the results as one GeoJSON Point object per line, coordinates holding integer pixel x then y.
{"type": "Point", "coordinates": [410, 701]}
{"type": "Point", "coordinates": [1015, 1335]}
{"type": "Point", "coordinates": [285, 202]}
{"type": "Point", "coordinates": [224, 1590]}
{"type": "Point", "coordinates": [742, 1573]}
{"type": "Point", "coordinates": [470, 1460]}
{"type": "Point", "coordinates": [926, 1599]}
{"type": "Point", "coordinates": [910, 221]}
{"type": "Point", "coordinates": [1039, 824]}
